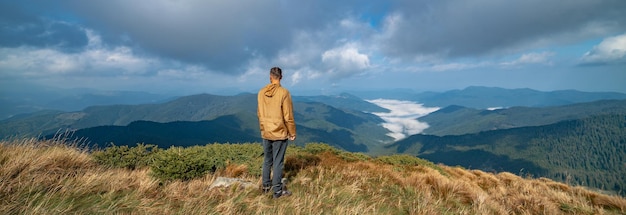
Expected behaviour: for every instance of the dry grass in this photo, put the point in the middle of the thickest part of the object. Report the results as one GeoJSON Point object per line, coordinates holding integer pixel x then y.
{"type": "Point", "coordinates": [51, 178]}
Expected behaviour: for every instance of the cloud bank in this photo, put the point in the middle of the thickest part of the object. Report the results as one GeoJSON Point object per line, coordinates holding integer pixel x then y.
{"type": "Point", "coordinates": [610, 50]}
{"type": "Point", "coordinates": [401, 120]}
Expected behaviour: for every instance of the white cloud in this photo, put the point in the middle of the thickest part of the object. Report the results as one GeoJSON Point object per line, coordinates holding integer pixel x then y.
{"type": "Point", "coordinates": [31, 62]}
{"type": "Point", "coordinates": [531, 58]}
{"type": "Point", "coordinates": [456, 66]}
{"type": "Point", "coordinates": [95, 60]}
{"type": "Point", "coordinates": [305, 73]}
{"type": "Point", "coordinates": [345, 61]}
{"type": "Point", "coordinates": [610, 50]}
{"type": "Point", "coordinates": [401, 120]}
{"type": "Point", "coordinates": [495, 108]}
{"type": "Point", "coordinates": [346, 58]}
{"type": "Point", "coordinates": [296, 77]}
{"type": "Point", "coordinates": [437, 65]}
{"type": "Point", "coordinates": [311, 54]}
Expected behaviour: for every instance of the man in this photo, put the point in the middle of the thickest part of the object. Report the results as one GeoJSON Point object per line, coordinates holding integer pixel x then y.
{"type": "Point", "coordinates": [275, 112]}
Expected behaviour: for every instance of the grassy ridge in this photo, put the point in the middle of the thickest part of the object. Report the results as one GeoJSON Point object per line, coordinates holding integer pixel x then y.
{"type": "Point", "coordinates": [48, 177]}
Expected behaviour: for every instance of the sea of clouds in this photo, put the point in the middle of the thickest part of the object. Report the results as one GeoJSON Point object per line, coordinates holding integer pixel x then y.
{"type": "Point", "coordinates": [401, 120]}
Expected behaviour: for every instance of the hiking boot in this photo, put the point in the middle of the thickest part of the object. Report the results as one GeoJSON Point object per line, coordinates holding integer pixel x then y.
{"type": "Point", "coordinates": [266, 189]}
{"type": "Point", "coordinates": [281, 194]}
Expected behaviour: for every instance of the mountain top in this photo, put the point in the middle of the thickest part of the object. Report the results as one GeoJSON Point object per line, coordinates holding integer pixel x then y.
{"type": "Point", "coordinates": [52, 177]}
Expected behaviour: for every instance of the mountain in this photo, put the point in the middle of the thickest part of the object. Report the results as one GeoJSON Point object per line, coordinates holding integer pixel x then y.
{"type": "Point", "coordinates": [490, 97]}
{"type": "Point", "coordinates": [25, 98]}
{"type": "Point", "coordinates": [343, 101]}
{"type": "Point", "coordinates": [588, 152]}
{"type": "Point", "coordinates": [363, 128]}
{"type": "Point", "coordinates": [224, 129]}
{"type": "Point", "coordinates": [317, 122]}
{"type": "Point", "coordinates": [180, 133]}
{"type": "Point", "coordinates": [457, 120]}
{"type": "Point", "coordinates": [189, 108]}
{"type": "Point", "coordinates": [81, 101]}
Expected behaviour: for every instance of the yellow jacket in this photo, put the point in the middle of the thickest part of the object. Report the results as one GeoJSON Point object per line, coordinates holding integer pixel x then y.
{"type": "Point", "coordinates": [275, 112]}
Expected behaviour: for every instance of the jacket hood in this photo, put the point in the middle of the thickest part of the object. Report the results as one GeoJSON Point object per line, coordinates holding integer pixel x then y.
{"type": "Point", "coordinates": [270, 89]}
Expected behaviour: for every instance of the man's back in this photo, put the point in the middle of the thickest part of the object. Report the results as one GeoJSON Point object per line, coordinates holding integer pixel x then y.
{"type": "Point", "coordinates": [275, 112]}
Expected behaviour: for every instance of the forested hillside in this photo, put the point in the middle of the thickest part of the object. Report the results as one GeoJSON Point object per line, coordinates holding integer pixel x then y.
{"type": "Point", "coordinates": [225, 129]}
{"type": "Point", "coordinates": [457, 120]}
{"type": "Point", "coordinates": [588, 152]}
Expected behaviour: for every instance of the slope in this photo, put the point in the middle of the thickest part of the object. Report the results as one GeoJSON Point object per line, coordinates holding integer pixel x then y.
{"type": "Point", "coordinates": [49, 177]}
{"type": "Point", "coordinates": [589, 152]}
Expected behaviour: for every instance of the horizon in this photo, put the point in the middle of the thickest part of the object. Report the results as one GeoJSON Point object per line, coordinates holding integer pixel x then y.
{"type": "Point", "coordinates": [190, 47]}
{"type": "Point", "coordinates": [14, 87]}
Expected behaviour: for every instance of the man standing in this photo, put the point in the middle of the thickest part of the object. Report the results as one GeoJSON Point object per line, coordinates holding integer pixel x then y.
{"type": "Point", "coordinates": [275, 112]}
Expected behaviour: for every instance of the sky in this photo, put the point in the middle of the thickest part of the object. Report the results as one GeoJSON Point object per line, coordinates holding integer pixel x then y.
{"type": "Point", "coordinates": [323, 47]}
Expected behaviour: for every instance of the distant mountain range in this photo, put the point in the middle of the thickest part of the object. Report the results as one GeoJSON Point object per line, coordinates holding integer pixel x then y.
{"type": "Point", "coordinates": [21, 98]}
{"type": "Point", "coordinates": [493, 97]}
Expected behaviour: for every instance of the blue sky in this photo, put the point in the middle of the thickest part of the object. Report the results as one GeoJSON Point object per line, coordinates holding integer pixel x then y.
{"type": "Point", "coordinates": [324, 47]}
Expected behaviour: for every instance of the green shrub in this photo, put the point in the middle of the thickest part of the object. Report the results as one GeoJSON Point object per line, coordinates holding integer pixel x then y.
{"type": "Point", "coordinates": [185, 163]}
{"type": "Point", "coordinates": [300, 161]}
{"type": "Point", "coordinates": [408, 160]}
{"type": "Point", "coordinates": [316, 148]}
{"type": "Point", "coordinates": [354, 156]}
{"type": "Point", "coordinates": [126, 157]}
{"type": "Point", "coordinates": [402, 159]}
{"type": "Point", "coordinates": [197, 161]}
{"type": "Point", "coordinates": [249, 154]}
{"type": "Point", "coordinates": [180, 163]}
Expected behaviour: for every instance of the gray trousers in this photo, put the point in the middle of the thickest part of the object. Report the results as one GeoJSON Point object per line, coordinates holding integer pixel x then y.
{"type": "Point", "coordinates": [274, 151]}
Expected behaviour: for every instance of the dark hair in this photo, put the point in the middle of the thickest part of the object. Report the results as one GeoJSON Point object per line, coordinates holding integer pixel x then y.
{"type": "Point", "coordinates": [276, 73]}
